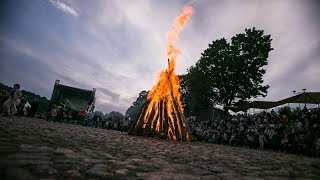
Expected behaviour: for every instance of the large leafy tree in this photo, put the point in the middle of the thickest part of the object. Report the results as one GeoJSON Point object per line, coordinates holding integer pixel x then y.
{"type": "Point", "coordinates": [229, 73]}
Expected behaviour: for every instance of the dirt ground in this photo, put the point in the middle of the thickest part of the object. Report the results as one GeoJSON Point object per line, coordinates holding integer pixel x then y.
{"type": "Point", "coordinates": [36, 149]}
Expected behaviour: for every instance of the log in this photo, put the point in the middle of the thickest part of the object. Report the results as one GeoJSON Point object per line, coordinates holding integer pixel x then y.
{"type": "Point", "coordinates": [169, 128]}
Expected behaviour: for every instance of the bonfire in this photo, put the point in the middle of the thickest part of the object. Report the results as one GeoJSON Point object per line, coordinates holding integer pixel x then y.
{"type": "Point", "coordinates": [162, 114]}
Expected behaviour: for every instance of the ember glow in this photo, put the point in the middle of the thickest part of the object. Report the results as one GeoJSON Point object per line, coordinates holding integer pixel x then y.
{"type": "Point", "coordinates": [163, 112]}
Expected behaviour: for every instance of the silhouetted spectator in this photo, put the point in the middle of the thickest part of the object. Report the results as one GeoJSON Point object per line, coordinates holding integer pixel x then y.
{"type": "Point", "coordinates": [65, 102]}
{"type": "Point", "coordinates": [3, 97]}
{"type": "Point", "coordinates": [94, 119]}
{"type": "Point", "coordinates": [87, 118]}
{"type": "Point", "coordinates": [81, 115]}
{"type": "Point", "coordinates": [34, 108]}
{"type": "Point", "coordinates": [20, 107]}
{"type": "Point", "coordinates": [285, 143]}
{"type": "Point", "coordinates": [262, 140]}
{"type": "Point", "coordinates": [285, 120]}
{"type": "Point", "coordinates": [53, 113]}
{"type": "Point", "coordinates": [103, 123]}
{"type": "Point", "coordinates": [98, 121]}
{"type": "Point", "coordinates": [10, 105]}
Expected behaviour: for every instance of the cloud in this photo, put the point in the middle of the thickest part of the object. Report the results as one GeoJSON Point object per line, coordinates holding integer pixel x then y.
{"type": "Point", "coordinates": [64, 7]}
{"type": "Point", "coordinates": [114, 96]}
{"type": "Point", "coordinates": [46, 67]}
{"type": "Point", "coordinates": [31, 76]}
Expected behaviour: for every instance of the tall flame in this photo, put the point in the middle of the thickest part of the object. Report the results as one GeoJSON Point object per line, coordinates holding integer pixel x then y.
{"type": "Point", "coordinates": [172, 52]}
{"type": "Point", "coordinates": [165, 95]}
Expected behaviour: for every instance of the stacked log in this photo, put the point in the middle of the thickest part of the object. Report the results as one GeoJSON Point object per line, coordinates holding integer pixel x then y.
{"type": "Point", "coordinates": [170, 127]}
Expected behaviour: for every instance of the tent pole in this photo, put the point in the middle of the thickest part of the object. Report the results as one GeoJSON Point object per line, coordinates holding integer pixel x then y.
{"type": "Point", "coordinates": [305, 101]}
{"type": "Point", "coordinates": [212, 112]}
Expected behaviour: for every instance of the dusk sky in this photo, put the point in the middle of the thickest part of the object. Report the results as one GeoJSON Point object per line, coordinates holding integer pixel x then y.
{"type": "Point", "coordinates": [118, 46]}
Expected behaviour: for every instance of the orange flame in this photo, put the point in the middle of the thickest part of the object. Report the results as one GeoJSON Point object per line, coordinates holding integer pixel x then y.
{"type": "Point", "coordinates": [165, 95]}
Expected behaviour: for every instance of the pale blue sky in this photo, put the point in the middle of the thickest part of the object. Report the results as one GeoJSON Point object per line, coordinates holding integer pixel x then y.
{"type": "Point", "coordinates": [118, 46]}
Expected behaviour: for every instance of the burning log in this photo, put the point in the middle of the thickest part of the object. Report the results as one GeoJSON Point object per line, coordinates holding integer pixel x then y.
{"type": "Point", "coordinates": [163, 118]}
{"type": "Point", "coordinates": [162, 114]}
{"type": "Point", "coordinates": [159, 124]}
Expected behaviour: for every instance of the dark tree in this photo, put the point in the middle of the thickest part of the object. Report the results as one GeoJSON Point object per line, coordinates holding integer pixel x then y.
{"type": "Point", "coordinates": [115, 116]}
{"type": "Point", "coordinates": [192, 99]}
{"type": "Point", "coordinates": [134, 110]}
{"type": "Point", "coordinates": [230, 73]}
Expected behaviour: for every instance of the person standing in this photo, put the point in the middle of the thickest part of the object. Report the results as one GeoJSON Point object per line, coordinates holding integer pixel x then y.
{"type": "Point", "coordinates": [10, 105]}
{"type": "Point", "coordinates": [87, 118]}
{"type": "Point", "coordinates": [103, 123]}
{"type": "Point", "coordinates": [125, 124]}
{"type": "Point", "coordinates": [81, 115]}
{"type": "Point", "coordinates": [98, 121]}
{"type": "Point", "coordinates": [53, 113]}
{"type": "Point", "coordinates": [3, 98]}
{"type": "Point", "coordinates": [34, 108]}
{"type": "Point", "coordinates": [20, 107]}
{"type": "Point", "coordinates": [262, 140]}
{"type": "Point", "coordinates": [94, 120]}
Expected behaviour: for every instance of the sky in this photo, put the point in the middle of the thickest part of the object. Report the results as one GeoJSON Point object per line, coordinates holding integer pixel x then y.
{"type": "Point", "coordinates": [117, 46]}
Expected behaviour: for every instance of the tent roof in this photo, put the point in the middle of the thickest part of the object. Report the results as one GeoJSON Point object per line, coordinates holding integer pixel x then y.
{"type": "Point", "coordinates": [307, 97]}
{"type": "Point", "coordinates": [255, 104]}
{"type": "Point", "coordinates": [77, 97]}
{"type": "Point", "coordinates": [73, 89]}
{"type": "Point", "coordinates": [76, 93]}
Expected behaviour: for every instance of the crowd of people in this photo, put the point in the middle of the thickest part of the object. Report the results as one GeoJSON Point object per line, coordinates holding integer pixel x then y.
{"type": "Point", "coordinates": [86, 117]}
{"type": "Point", "coordinates": [289, 130]}
{"type": "Point", "coordinates": [14, 103]}
{"type": "Point", "coordinates": [108, 123]}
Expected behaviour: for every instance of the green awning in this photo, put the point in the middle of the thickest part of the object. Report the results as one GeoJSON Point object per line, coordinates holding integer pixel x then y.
{"type": "Point", "coordinates": [77, 98]}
